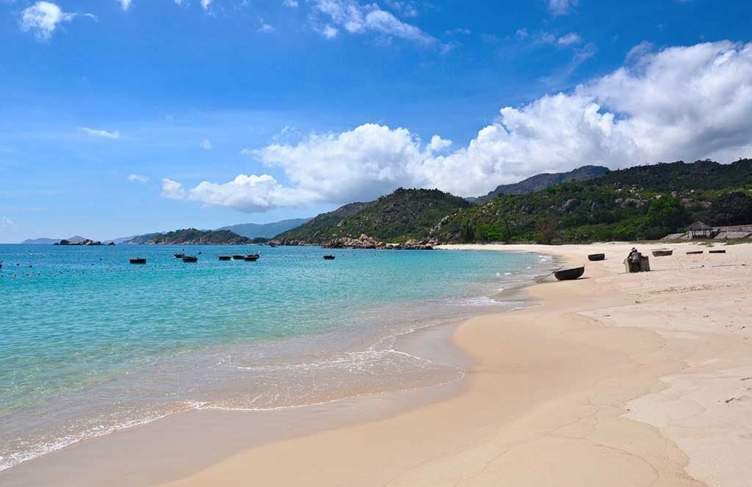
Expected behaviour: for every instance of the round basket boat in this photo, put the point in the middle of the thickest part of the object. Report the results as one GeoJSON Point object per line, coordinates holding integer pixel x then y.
{"type": "Point", "coordinates": [570, 274]}
{"type": "Point", "coordinates": [596, 257]}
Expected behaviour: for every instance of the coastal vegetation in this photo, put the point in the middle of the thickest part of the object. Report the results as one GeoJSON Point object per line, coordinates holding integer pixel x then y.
{"type": "Point", "coordinates": [638, 203]}
{"type": "Point", "coordinates": [191, 236]}
{"type": "Point", "coordinates": [404, 215]}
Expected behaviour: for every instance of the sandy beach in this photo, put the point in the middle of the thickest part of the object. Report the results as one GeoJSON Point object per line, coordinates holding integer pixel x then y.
{"type": "Point", "coordinates": [621, 380]}
{"type": "Point", "coordinates": [615, 379]}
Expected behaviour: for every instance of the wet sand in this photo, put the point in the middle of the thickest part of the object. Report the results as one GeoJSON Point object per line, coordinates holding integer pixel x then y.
{"type": "Point", "coordinates": [615, 379]}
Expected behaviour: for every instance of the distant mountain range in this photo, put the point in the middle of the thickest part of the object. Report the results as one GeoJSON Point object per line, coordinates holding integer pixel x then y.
{"type": "Point", "coordinates": [540, 182]}
{"type": "Point", "coordinates": [50, 241]}
{"type": "Point", "coordinates": [265, 230]}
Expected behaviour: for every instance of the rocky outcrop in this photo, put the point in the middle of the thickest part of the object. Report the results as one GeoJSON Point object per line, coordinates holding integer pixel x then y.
{"type": "Point", "coordinates": [366, 242]}
{"type": "Point", "coordinates": [85, 243]}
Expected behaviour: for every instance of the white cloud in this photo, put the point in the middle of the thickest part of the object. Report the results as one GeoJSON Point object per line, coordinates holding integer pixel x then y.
{"type": "Point", "coordinates": [355, 18]}
{"type": "Point", "coordinates": [569, 39]}
{"type": "Point", "coordinates": [680, 103]}
{"type": "Point", "coordinates": [206, 144]}
{"type": "Point", "coordinates": [561, 7]}
{"type": "Point", "coordinates": [43, 18]}
{"type": "Point", "coordinates": [205, 4]}
{"type": "Point", "coordinates": [403, 8]}
{"type": "Point", "coordinates": [6, 222]}
{"type": "Point", "coordinates": [101, 133]}
{"type": "Point", "coordinates": [244, 193]}
{"type": "Point", "coordinates": [264, 27]}
{"type": "Point", "coordinates": [290, 3]}
{"type": "Point", "coordinates": [125, 4]}
{"type": "Point", "coordinates": [137, 178]}
{"type": "Point", "coordinates": [329, 32]}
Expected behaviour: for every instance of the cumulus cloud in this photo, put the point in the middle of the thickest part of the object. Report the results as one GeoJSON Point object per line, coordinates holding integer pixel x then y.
{"type": "Point", "coordinates": [205, 4]}
{"type": "Point", "coordinates": [354, 18]}
{"type": "Point", "coordinates": [43, 18]}
{"type": "Point", "coordinates": [137, 178]}
{"type": "Point", "coordinates": [102, 133]}
{"type": "Point", "coordinates": [679, 103]}
{"type": "Point", "coordinates": [561, 7]}
{"type": "Point", "coordinates": [205, 144]}
{"type": "Point", "coordinates": [244, 193]}
{"type": "Point", "coordinates": [124, 4]}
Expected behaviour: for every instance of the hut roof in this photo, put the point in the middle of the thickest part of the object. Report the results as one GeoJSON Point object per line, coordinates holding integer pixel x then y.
{"type": "Point", "coordinates": [699, 227]}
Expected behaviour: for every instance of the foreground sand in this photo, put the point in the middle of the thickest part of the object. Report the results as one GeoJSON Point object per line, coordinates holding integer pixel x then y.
{"type": "Point", "coordinates": [616, 380]}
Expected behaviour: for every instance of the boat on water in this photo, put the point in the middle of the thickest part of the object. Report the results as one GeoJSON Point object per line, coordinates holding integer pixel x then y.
{"type": "Point", "coordinates": [137, 261]}
{"type": "Point", "coordinates": [178, 256]}
{"type": "Point", "coordinates": [225, 257]}
{"type": "Point", "coordinates": [596, 257]}
{"type": "Point", "coordinates": [238, 257]}
{"type": "Point", "coordinates": [329, 257]}
{"type": "Point", "coordinates": [570, 274]}
{"type": "Point", "coordinates": [251, 258]}
{"type": "Point", "coordinates": [663, 252]}
{"type": "Point", "coordinates": [190, 258]}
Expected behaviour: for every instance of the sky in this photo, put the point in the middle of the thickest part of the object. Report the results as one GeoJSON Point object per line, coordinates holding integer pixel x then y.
{"type": "Point", "coordinates": [122, 117]}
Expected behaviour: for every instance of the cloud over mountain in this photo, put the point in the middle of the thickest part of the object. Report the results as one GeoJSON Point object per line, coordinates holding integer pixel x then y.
{"type": "Point", "coordinates": [682, 102]}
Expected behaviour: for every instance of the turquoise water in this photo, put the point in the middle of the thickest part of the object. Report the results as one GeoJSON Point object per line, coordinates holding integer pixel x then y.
{"type": "Point", "coordinates": [90, 344]}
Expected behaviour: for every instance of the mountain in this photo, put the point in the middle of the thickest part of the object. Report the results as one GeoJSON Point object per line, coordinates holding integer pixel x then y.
{"type": "Point", "coordinates": [265, 230]}
{"type": "Point", "coordinates": [50, 241]}
{"type": "Point", "coordinates": [540, 182]}
{"type": "Point", "coordinates": [192, 236]}
{"type": "Point", "coordinates": [403, 215]}
{"type": "Point", "coordinates": [320, 228]}
{"type": "Point", "coordinates": [642, 202]}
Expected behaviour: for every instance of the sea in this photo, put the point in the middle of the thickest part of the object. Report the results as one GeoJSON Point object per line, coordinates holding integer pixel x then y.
{"type": "Point", "coordinates": [91, 344]}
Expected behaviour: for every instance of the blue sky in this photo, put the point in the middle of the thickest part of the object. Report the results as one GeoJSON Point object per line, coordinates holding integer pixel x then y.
{"type": "Point", "coordinates": [118, 117]}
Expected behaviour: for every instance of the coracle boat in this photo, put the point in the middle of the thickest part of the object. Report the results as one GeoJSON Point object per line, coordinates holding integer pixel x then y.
{"type": "Point", "coordinates": [251, 258]}
{"type": "Point", "coordinates": [238, 257]}
{"type": "Point", "coordinates": [190, 258]}
{"type": "Point", "coordinates": [225, 257]}
{"type": "Point", "coordinates": [178, 256]}
{"type": "Point", "coordinates": [716, 251]}
{"type": "Point", "coordinates": [596, 257]}
{"type": "Point", "coordinates": [329, 257]}
{"type": "Point", "coordinates": [695, 252]}
{"type": "Point", "coordinates": [570, 274]}
{"type": "Point", "coordinates": [137, 261]}
{"type": "Point", "coordinates": [662, 253]}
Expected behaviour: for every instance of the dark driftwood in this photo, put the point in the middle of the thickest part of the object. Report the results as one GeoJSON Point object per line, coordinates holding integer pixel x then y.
{"type": "Point", "coordinates": [662, 253]}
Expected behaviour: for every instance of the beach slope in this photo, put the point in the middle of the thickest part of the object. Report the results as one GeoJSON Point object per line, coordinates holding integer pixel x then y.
{"type": "Point", "coordinates": [616, 379]}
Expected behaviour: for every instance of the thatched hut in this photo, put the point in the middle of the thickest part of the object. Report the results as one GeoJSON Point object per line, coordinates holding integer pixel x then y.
{"type": "Point", "coordinates": [700, 230]}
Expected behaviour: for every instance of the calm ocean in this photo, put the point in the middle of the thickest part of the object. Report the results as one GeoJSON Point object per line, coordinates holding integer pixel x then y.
{"type": "Point", "coordinates": [90, 344]}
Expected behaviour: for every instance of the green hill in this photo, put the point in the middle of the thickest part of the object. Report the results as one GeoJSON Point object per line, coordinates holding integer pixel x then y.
{"type": "Point", "coordinates": [540, 182]}
{"type": "Point", "coordinates": [403, 215]}
{"type": "Point", "coordinates": [643, 202]}
{"type": "Point", "coordinates": [192, 236]}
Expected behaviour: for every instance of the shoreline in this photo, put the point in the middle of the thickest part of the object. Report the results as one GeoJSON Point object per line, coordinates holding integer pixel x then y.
{"type": "Point", "coordinates": [429, 340]}
{"type": "Point", "coordinates": [553, 387]}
